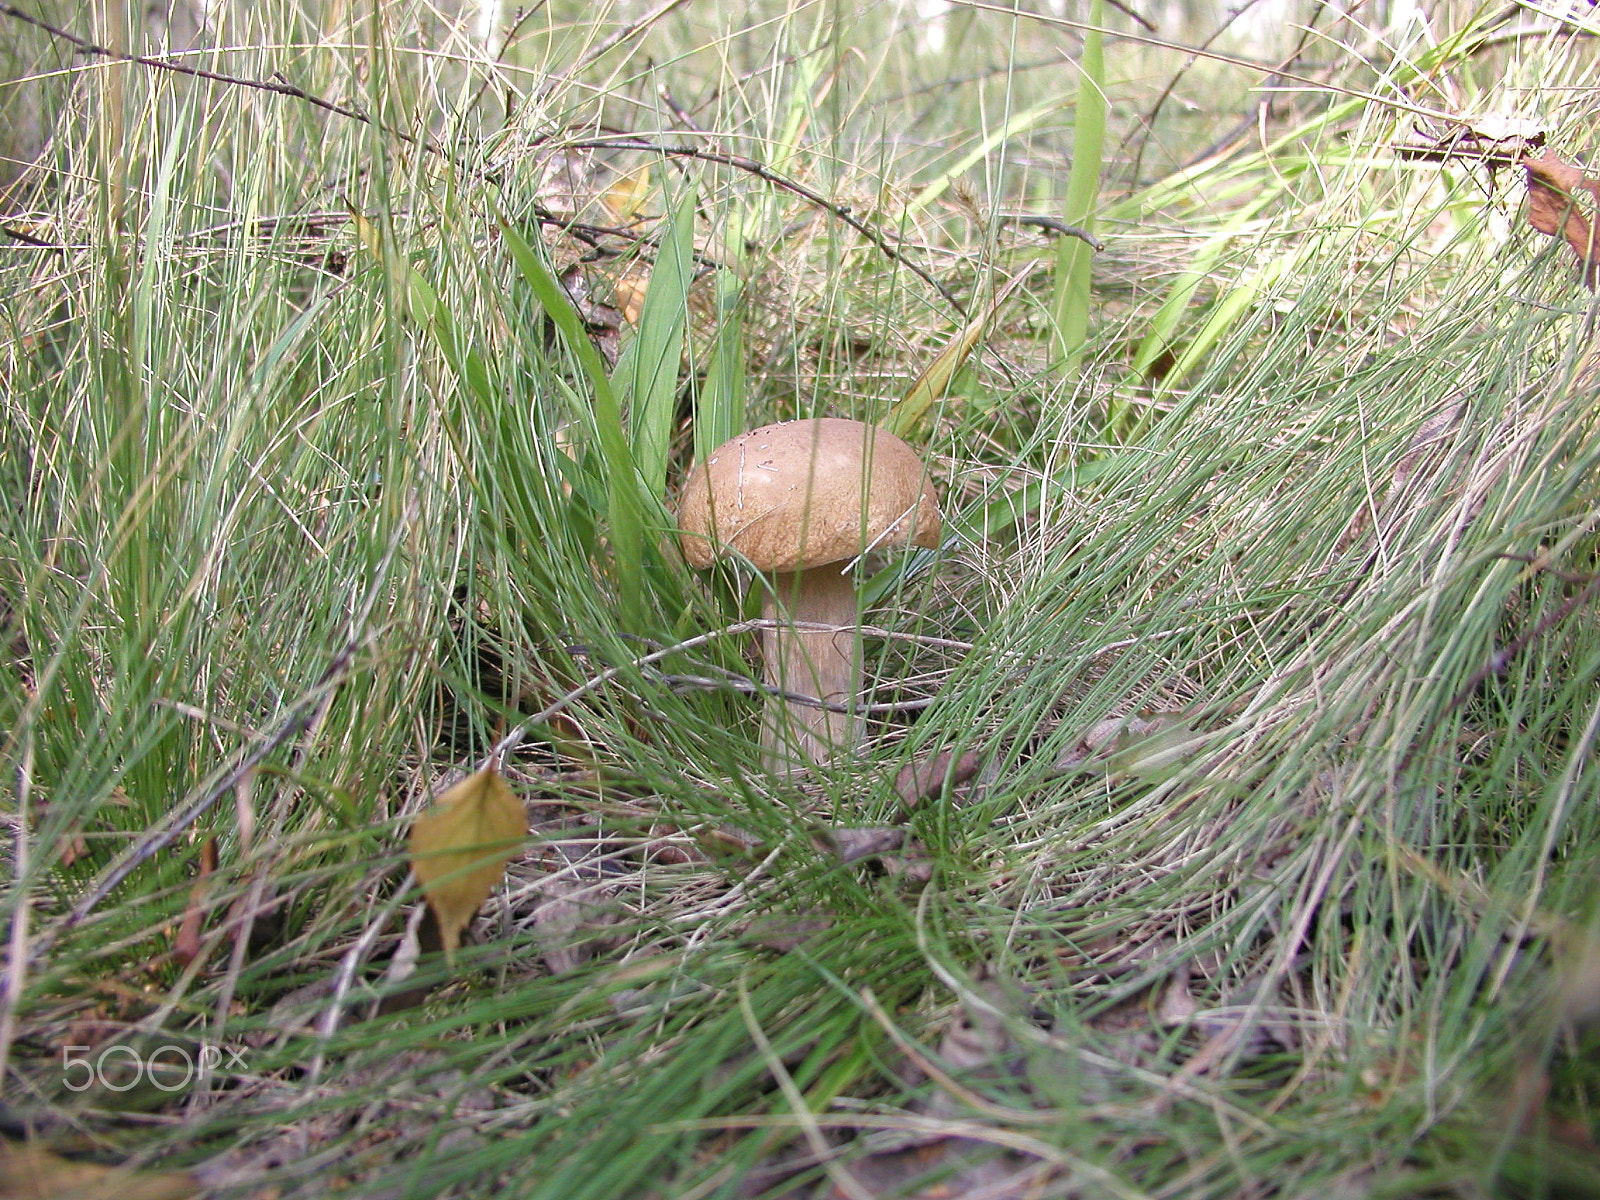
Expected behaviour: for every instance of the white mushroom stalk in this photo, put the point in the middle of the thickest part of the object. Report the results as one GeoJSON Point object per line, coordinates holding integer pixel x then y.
{"type": "Point", "coordinates": [812, 648]}
{"type": "Point", "coordinates": [799, 501]}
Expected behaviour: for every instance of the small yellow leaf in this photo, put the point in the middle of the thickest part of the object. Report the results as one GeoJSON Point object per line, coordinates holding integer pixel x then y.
{"type": "Point", "coordinates": [422, 299]}
{"type": "Point", "coordinates": [29, 1172]}
{"type": "Point", "coordinates": [460, 847]}
{"type": "Point", "coordinates": [627, 194]}
{"type": "Point", "coordinates": [930, 385]}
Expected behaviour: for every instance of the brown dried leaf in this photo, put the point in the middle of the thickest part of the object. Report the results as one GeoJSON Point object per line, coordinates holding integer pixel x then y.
{"type": "Point", "coordinates": [1132, 745]}
{"type": "Point", "coordinates": [1177, 1003]}
{"type": "Point", "coordinates": [629, 289]}
{"type": "Point", "coordinates": [628, 194]}
{"type": "Point", "coordinates": [570, 922]}
{"type": "Point", "coordinates": [912, 867]}
{"type": "Point", "coordinates": [1555, 208]}
{"type": "Point", "coordinates": [935, 378]}
{"type": "Point", "coordinates": [784, 933]}
{"type": "Point", "coordinates": [603, 321]}
{"type": "Point", "coordinates": [852, 844]}
{"type": "Point", "coordinates": [186, 946]}
{"type": "Point", "coordinates": [460, 847]}
{"type": "Point", "coordinates": [730, 838]}
{"type": "Point", "coordinates": [925, 778]}
{"type": "Point", "coordinates": [30, 1172]}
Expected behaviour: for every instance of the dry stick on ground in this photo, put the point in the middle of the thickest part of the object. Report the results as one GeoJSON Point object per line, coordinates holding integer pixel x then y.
{"type": "Point", "coordinates": [607, 44]}
{"type": "Point", "coordinates": [1052, 225]}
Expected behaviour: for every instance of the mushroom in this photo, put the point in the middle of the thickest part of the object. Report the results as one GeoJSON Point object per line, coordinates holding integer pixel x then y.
{"type": "Point", "coordinates": [799, 501]}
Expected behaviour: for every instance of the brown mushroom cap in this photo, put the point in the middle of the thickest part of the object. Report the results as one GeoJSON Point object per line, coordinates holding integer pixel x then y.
{"type": "Point", "coordinates": [802, 493]}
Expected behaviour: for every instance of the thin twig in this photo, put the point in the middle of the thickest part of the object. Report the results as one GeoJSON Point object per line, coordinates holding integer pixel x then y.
{"type": "Point", "coordinates": [501, 749]}
{"type": "Point", "coordinates": [620, 36]}
{"type": "Point", "coordinates": [508, 744]}
{"type": "Point", "coordinates": [511, 35]}
{"type": "Point", "coordinates": [587, 234]}
{"type": "Point", "coordinates": [1394, 103]}
{"type": "Point", "coordinates": [1148, 120]}
{"type": "Point", "coordinates": [1052, 225]}
{"type": "Point", "coordinates": [27, 239]}
{"type": "Point", "coordinates": [683, 115]}
{"type": "Point", "coordinates": [261, 85]}
{"type": "Point", "coordinates": [1542, 564]}
{"type": "Point", "coordinates": [754, 687]}
{"type": "Point", "coordinates": [766, 174]}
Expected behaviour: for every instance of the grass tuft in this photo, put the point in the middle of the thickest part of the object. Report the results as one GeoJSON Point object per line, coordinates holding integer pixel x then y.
{"type": "Point", "coordinates": [1225, 825]}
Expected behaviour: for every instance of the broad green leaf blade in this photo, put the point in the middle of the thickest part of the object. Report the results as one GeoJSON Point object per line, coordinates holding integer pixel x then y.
{"type": "Point", "coordinates": [1164, 324]}
{"type": "Point", "coordinates": [626, 500]}
{"type": "Point", "coordinates": [719, 409]}
{"type": "Point", "coordinates": [1229, 309]}
{"type": "Point", "coordinates": [558, 307]}
{"type": "Point", "coordinates": [1074, 256]}
{"type": "Point", "coordinates": [646, 378]}
{"type": "Point", "coordinates": [1011, 128]}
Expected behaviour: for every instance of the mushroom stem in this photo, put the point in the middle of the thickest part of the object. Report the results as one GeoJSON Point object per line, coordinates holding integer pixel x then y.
{"type": "Point", "coordinates": [814, 662]}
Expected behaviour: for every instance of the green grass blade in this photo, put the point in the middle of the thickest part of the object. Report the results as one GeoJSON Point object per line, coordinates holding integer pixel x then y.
{"type": "Point", "coordinates": [1074, 256]}
{"type": "Point", "coordinates": [627, 502]}
{"type": "Point", "coordinates": [646, 377]}
{"type": "Point", "coordinates": [720, 407]}
{"type": "Point", "coordinates": [553, 298]}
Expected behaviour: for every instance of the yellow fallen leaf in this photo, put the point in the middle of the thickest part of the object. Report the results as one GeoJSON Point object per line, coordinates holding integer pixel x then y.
{"type": "Point", "coordinates": [33, 1173]}
{"type": "Point", "coordinates": [627, 194]}
{"type": "Point", "coordinates": [460, 847]}
{"type": "Point", "coordinates": [935, 378]}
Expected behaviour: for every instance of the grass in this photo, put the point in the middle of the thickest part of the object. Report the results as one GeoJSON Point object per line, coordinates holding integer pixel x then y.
{"type": "Point", "coordinates": [1265, 632]}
